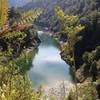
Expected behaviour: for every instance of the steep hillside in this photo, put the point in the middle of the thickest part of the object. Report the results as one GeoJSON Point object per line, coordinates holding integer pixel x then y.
{"type": "Point", "coordinates": [89, 12]}
{"type": "Point", "coordinates": [48, 18]}
{"type": "Point", "coordinates": [89, 15]}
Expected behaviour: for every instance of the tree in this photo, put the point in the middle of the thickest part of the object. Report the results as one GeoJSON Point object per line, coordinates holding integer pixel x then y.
{"type": "Point", "coordinates": [70, 26]}
{"type": "Point", "coordinates": [13, 84]}
{"type": "Point", "coordinates": [3, 12]}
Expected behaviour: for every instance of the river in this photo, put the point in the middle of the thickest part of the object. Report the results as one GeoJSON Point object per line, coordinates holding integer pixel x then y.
{"type": "Point", "coordinates": [47, 66]}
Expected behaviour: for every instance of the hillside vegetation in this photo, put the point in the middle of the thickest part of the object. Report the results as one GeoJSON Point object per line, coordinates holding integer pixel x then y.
{"type": "Point", "coordinates": [86, 48]}
{"type": "Point", "coordinates": [75, 24]}
{"type": "Point", "coordinates": [16, 35]}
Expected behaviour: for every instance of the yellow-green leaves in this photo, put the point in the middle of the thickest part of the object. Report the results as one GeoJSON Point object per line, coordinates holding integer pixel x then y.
{"type": "Point", "coordinates": [60, 14]}
{"type": "Point", "coordinates": [30, 16]}
{"type": "Point", "coordinates": [69, 25]}
{"type": "Point", "coordinates": [78, 28]}
{"type": "Point", "coordinates": [3, 12]}
{"type": "Point", "coordinates": [72, 19]}
{"type": "Point", "coordinates": [13, 85]}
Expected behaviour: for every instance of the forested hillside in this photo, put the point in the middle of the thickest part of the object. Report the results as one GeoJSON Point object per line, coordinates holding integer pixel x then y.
{"type": "Point", "coordinates": [17, 34]}
{"type": "Point", "coordinates": [86, 48]}
{"type": "Point", "coordinates": [89, 15]}
{"type": "Point", "coordinates": [45, 37]}
{"type": "Point", "coordinates": [80, 7]}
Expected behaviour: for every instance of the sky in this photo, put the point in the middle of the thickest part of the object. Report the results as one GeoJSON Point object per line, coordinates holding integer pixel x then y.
{"type": "Point", "coordinates": [18, 2]}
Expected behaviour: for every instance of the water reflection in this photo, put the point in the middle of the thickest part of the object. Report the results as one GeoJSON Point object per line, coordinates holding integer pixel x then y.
{"type": "Point", "coordinates": [48, 65]}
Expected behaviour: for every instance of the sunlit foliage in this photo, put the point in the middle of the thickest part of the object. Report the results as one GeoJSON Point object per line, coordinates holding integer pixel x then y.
{"type": "Point", "coordinates": [3, 12]}
{"type": "Point", "coordinates": [14, 84]}
{"type": "Point", "coordinates": [70, 26]}
{"type": "Point", "coordinates": [86, 91]}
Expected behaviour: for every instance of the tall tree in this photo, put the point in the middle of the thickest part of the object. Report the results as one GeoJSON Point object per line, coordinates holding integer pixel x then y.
{"type": "Point", "coordinates": [3, 11]}
{"type": "Point", "coordinates": [71, 28]}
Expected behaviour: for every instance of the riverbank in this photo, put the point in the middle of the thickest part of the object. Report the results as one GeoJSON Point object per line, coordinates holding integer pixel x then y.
{"type": "Point", "coordinates": [64, 90]}
{"type": "Point", "coordinates": [83, 74]}
{"type": "Point", "coordinates": [59, 91]}
{"type": "Point", "coordinates": [47, 66]}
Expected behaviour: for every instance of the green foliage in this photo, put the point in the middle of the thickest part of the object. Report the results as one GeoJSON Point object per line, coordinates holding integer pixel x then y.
{"type": "Point", "coordinates": [91, 59]}
{"type": "Point", "coordinates": [71, 28]}
{"type": "Point", "coordinates": [24, 61]}
{"type": "Point", "coordinates": [13, 35]}
{"type": "Point", "coordinates": [69, 25]}
{"type": "Point", "coordinates": [86, 91]}
{"type": "Point", "coordinates": [10, 35]}
{"type": "Point", "coordinates": [13, 85]}
{"type": "Point", "coordinates": [28, 17]}
{"type": "Point", "coordinates": [16, 25]}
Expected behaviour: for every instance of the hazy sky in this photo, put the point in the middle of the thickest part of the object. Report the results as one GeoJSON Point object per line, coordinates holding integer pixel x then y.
{"type": "Point", "coordinates": [18, 2]}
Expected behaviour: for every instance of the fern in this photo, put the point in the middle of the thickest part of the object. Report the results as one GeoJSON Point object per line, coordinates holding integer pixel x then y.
{"type": "Point", "coordinates": [30, 16]}
{"type": "Point", "coordinates": [26, 20]}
